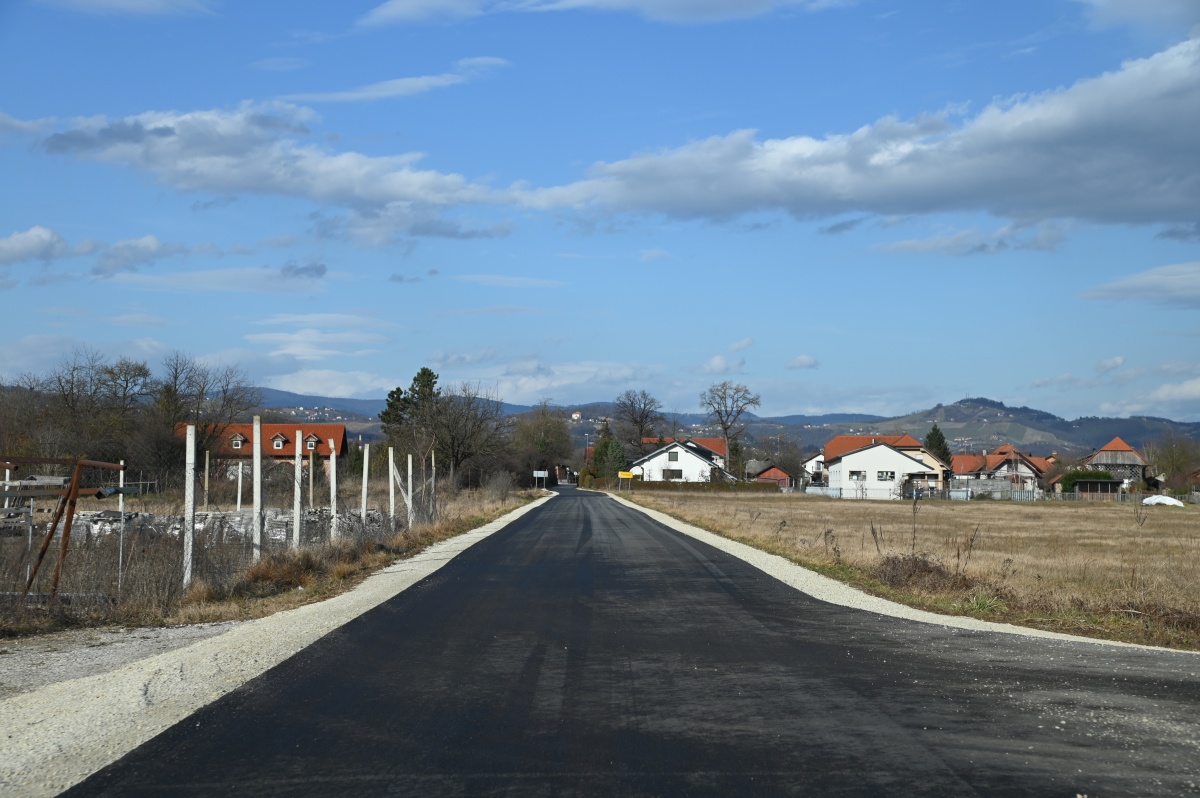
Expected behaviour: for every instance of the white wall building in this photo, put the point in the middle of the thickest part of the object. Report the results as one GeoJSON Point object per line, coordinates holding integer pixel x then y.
{"type": "Point", "coordinates": [877, 472]}
{"type": "Point", "coordinates": [681, 461]}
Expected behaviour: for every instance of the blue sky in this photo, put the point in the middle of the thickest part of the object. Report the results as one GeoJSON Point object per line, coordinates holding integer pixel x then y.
{"type": "Point", "coordinates": [865, 206]}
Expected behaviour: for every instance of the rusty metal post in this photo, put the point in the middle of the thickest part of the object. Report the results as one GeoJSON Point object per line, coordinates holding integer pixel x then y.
{"type": "Point", "coordinates": [72, 497]}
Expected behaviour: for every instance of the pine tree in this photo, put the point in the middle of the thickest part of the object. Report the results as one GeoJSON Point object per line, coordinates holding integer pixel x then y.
{"type": "Point", "coordinates": [409, 413]}
{"type": "Point", "coordinates": [935, 444]}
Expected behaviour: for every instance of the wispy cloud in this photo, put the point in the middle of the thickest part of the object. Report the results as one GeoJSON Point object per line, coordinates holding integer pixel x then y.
{"type": "Point", "coordinates": [402, 11]}
{"type": "Point", "coordinates": [719, 364]}
{"type": "Point", "coordinates": [1110, 364]}
{"type": "Point", "coordinates": [132, 253]}
{"type": "Point", "coordinates": [1043, 237]}
{"type": "Point", "coordinates": [442, 358]}
{"type": "Point", "coordinates": [264, 280]}
{"type": "Point", "coordinates": [1177, 285]}
{"type": "Point", "coordinates": [508, 281]}
{"type": "Point", "coordinates": [467, 69]}
{"type": "Point", "coordinates": [802, 362]}
{"type": "Point", "coordinates": [738, 346]}
{"type": "Point", "coordinates": [654, 254]}
{"type": "Point", "coordinates": [144, 7]}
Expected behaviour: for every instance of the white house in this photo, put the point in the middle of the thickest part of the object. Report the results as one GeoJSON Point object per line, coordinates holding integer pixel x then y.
{"type": "Point", "coordinates": [815, 466]}
{"type": "Point", "coordinates": [680, 461]}
{"type": "Point", "coordinates": [878, 471]}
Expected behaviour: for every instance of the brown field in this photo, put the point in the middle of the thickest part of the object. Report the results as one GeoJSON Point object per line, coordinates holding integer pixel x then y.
{"type": "Point", "coordinates": [1116, 571]}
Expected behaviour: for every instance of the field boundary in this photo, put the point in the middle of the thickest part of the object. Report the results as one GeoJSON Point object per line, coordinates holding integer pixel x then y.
{"type": "Point", "coordinates": [55, 737]}
{"type": "Point", "coordinates": [832, 591]}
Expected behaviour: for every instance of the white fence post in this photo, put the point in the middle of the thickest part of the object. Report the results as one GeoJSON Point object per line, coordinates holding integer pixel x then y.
{"type": "Point", "coordinates": [366, 477]}
{"type": "Point", "coordinates": [411, 499]}
{"type": "Point", "coordinates": [257, 521]}
{"type": "Point", "coordinates": [121, 533]}
{"type": "Point", "coordinates": [239, 500]}
{"type": "Point", "coordinates": [392, 485]}
{"type": "Point", "coordinates": [189, 504]}
{"type": "Point", "coordinates": [333, 513]}
{"type": "Point", "coordinates": [296, 491]}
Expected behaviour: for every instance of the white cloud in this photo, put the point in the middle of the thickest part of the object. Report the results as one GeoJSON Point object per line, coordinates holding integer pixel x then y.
{"type": "Point", "coordinates": [261, 279]}
{"type": "Point", "coordinates": [653, 254]}
{"type": "Point", "coordinates": [137, 320]}
{"type": "Point", "coordinates": [531, 380]}
{"type": "Point", "coordinates": [1110, 364]}
{"type": "Point", "coordinates": [128, 255]}
{"type": "Point", "coordinates": [148, 7]}
{"type": "Point", "coordinates": [280, 64]}
{"type": "Point", "coordinates": [802, 362]}
{"type": "Point", "coordinates": [259, 148]}
{"type": "Point", "coordinates": [312, 344]}
{"type": "Point", "coordinates": [507, 281]}
{"type": "Point", "coordinates": [719, 364]}
{"type": "Point", "coordinates": [1188, 391]}
{"type": "Point", "coordinates": [1109, 149]}
{"type": "Point", "coordinates": [345, 320]}
{"type": "Point", "coordinates": [398, 11]}
{"type": "Point", "coordinates": [738, 346]}
{"type": "Point", "coordinates": [1163, 14]}
{"type": "Point", "coordinates": [1041, 237]}
{"type": "Point", "coordinates": [441, 358]}
{"type": "Point", "coordinates": [1177, 285]}
{"type": "Point", "coordinates": [328, 382]}
{"type": "Point", "coordinates": [40, 244]}
{"type": "Point", "coordinates": [465, 70]}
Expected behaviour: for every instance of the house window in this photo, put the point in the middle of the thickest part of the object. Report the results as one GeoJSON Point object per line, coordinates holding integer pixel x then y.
{"type": "Point", "coordinates": [858, 476]}
{"type": "Point", "coordinates": [673, 457]}
{"type": "Point", "coordinates": [236, 443]}
{"type": "Point", "coordinates": [672, 473]}
{"type": "Point", "coordinates": [885, 476]}
{"type": "Point", "coordinates": [312, 445]}
{"type": "Point", "coordinates": [278, 444]}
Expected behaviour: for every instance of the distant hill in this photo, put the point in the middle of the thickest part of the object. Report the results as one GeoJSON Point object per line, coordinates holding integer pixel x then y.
{"type": "Point", "coordinates": [968, 424]}
{"type": "Point", "coordinates": [978, 423]}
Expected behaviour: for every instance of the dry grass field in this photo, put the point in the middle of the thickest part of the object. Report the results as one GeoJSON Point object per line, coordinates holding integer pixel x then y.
{"type": "Point", "coordinates": [1115, 571]}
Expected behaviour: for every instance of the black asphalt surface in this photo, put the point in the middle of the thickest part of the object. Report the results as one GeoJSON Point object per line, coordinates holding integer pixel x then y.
{"type": "Point", "coordinates": [585, 650]}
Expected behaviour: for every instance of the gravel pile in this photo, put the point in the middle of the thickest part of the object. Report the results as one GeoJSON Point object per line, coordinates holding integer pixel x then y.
{"type": "Point", "coordinates": [54, 735]}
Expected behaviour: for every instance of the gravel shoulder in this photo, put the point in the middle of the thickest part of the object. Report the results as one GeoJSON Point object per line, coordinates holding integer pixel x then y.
{"type": "Point", "coordinates": [53, 734]}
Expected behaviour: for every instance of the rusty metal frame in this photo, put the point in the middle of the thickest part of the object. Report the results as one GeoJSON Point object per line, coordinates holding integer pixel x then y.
{"type": "Point", "coordinates": [68, 497]}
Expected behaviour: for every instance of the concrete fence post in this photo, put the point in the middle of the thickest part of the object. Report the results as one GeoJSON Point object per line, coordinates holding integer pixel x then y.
{"type": "Point", "coordinates": [189, 504]}
{"type": "Point", "coordinates": [257, 521]}
{"type": "Point", "coordinates": [297, 489]}
{"type": "Point", "coordinates": [333, 509]}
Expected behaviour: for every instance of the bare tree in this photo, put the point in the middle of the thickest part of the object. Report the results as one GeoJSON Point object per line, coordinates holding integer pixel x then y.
{"type": "Point", "coordinates": [638, 416]}
{"type": "Point", "coordinates": [541, 439]}
{"type": "Point", "coordinates": [1172, 457]}
{"type": "Point", "coordinates": [469, 424]}
{"type": "Point", "coordinates": [725, 402]}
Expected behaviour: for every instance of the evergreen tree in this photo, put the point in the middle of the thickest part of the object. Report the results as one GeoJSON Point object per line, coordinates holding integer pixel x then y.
{"type": "Point", "coordinates": [609, 455]}
{"type": "Point", "coordinates": [935, 444]}
{"type": "Point", "coordinates": [409, 415]}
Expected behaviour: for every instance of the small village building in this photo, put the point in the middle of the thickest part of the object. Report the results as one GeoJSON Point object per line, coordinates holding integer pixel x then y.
{"type": "Point", "coordinates": [1119, 459]}
{"type": "Point", "coordinates": [841, 445]}
{"type": "Point", "coordinates": [879, 471]}
{"type": "Point", "coordinates": [1006, 464]}
{"type": "Point", "coordinates": [773, 474]}
{"type": "Point", "coordinates": [681, 461]}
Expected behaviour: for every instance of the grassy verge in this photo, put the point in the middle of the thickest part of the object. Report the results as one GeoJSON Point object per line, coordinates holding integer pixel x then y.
{"type": "Point", "coordinates": [229, 586]}
{"type": "Point", "coordinates": [1100, 570]}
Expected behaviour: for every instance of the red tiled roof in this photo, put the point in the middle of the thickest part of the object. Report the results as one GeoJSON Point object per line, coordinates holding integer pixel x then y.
{"type": "Point", "coordinates": [844, 444]}
{"type": "Point", "coordinates": [974, 463]}
{"type": "Point", "coordinates": [269, 431]}
{"type": "Point", "coordinates": [1117, 445]}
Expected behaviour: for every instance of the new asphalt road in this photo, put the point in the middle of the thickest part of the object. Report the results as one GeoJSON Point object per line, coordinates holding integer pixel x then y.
{"type": "Point", "coordinates": [587, 650]}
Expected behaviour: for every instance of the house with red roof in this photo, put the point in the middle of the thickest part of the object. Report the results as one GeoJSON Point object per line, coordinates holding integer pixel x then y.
{"type": "Point", "coordinates": [279, 441]}
{"type": "Point", "coordinates": [1119, 459]}
{"type": "Point", "coordinates": [880, 471]}
{"type": "Point", "coordinates": [1007, 463]}
{"type": "Point", "coordinates": [935, 475]}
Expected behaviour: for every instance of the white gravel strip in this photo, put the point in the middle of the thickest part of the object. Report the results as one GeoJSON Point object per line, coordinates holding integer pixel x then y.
{"type": "Point", "coordinates": [54, 737]}
{"type": "Point", "coordinates": [835, 592]}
